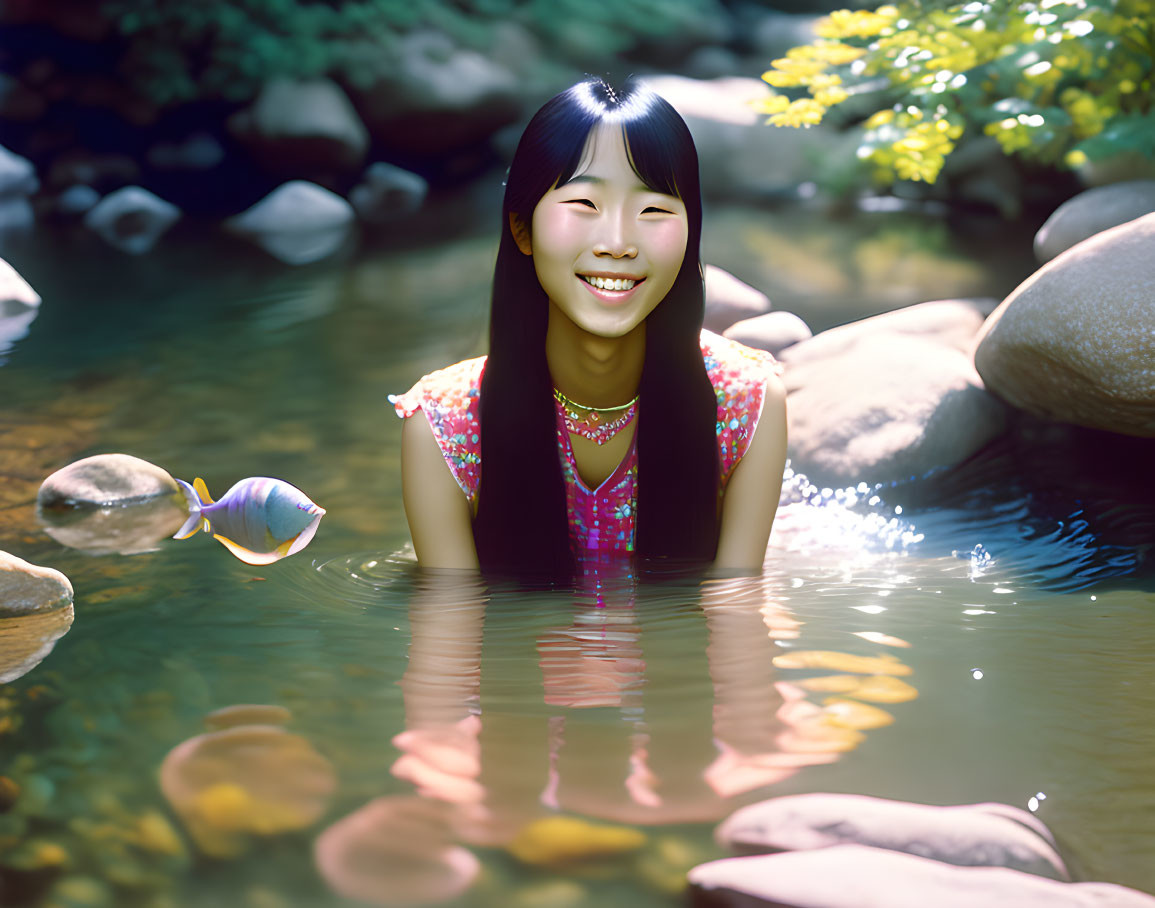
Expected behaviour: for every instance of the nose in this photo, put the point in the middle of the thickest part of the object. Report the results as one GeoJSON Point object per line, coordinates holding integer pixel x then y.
{"type": "Point", "coordinates": [614, 242]}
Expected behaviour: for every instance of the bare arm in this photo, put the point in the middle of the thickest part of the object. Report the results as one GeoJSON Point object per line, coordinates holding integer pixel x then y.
{"type": "Point", "coordinates": [438, 511]}
{"type": "Point", "coordinates": [751, 497]}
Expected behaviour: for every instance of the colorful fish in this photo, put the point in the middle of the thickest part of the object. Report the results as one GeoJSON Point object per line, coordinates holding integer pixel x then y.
{"type": "Point", "coordinates": [260, 520]}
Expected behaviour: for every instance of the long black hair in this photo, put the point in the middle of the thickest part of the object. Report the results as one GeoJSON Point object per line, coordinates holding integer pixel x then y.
{"type": "Point", "coordinates": [521, 525]}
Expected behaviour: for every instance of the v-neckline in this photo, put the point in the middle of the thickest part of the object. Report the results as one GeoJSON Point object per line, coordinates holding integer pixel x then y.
{"type": "Point", "coordinates": [572, 459]}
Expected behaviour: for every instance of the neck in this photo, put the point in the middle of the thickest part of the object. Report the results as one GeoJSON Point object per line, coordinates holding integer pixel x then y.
{"type": "Point", "coordinates": [592, 370]}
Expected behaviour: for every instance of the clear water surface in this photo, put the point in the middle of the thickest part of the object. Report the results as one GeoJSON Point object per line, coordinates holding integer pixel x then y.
{"type": "Point", "coordinates": [980, 635]}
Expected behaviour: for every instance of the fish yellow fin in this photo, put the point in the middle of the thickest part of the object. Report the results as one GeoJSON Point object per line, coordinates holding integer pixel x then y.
{"type": "Point", "coordinates": [245, 555]}
{"type": "Point", "coordinates": [196, 521]}
{"type": "Point", "coordinates": [202, 490]}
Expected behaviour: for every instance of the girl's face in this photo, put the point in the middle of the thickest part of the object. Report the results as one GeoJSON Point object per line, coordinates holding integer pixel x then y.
{"type": "Point", "coordinates": [605, 247]}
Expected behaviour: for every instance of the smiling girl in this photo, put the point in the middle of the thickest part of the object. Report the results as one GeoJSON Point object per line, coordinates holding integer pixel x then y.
{"type": "Point", "coordinates": [604, 422]}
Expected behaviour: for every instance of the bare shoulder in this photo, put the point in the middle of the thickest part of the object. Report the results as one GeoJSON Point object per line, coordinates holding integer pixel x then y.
{"type": "Point", "coordinates": [436, 507]}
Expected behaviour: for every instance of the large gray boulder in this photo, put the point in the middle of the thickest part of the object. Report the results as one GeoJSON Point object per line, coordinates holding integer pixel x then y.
{"type": "Point", "coordinates": [969, 835]}
{"type": "Point", "coordinates": [774, 331]}
{"type": "Point", "coordinates": [729, 300]}
{"type": "Point", "coordinates": [1092, 212]}
{"type": "Point", "coordinates": [297, 127]}
{"type": "Point", "coordinates": [856, 876]}
{"type": "Point", "coordinates": [19, 306]}
{"type": "Point", "coordinates": [740, 156]}
{"type": "Point", "coordinates": [132, 219]}
{"type": "Point", "coordinates": [28, 588]}
{"type": "Point", "coordinates": [298, 222]}
{"type": "Point", "coordinates": [1074, 342]}
{"type": "Point", "coordinates": [105, 479]}
{"type": "Point", "coordinates": [889, 397]}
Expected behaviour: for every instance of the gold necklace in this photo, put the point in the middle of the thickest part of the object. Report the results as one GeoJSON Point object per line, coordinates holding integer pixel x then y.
{"type": "Point", "coordinates": [593, 423]}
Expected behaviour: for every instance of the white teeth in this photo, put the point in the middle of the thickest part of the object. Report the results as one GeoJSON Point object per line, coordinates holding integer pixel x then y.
{"type": "Point", "coordinates": [603, 283]}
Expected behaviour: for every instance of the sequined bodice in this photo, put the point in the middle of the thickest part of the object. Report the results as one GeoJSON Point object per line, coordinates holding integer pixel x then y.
{"type": "Point", "coordinates": [601, 520]}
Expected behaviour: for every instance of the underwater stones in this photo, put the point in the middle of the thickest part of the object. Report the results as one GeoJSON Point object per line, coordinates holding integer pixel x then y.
{"type": "Point", "coordinates": [298, 222]}
{"type": "Point", "coordinates": [1093, 212]}
{"type": "Point", "coordinates": [395, 851]}
{"type": "Point", "coordinates": [889, 397]}
{"type": "Point", "coordinates": [105, 479]}
{"type": "Point", "coordinates": [774, 331]}
{"type": "Point", "coordinates": [857, 876]}
{"type": "Point", "coordinates": [248, 714]}
{"type": "Point", "coordinates": [247, 780]}
{"type": "Point", "coordinates": [28, 588]}
{"type": "Point", "coordinates": [387, 193]}
{"type": "Point", "coordinates": [557, 841]}
{"type": "Point", "coordinates": [729, 300]}
{"type": "Point", "coordinates": [300, 126]}
{"type": "Point", "coordinates": [969, 835]}
{"type": "Point", "coordinates": [1075, 342]}
{"type": "Point", "coordinates": [132, 219]}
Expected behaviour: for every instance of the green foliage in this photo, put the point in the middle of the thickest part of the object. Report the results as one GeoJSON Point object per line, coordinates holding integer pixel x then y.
{"type": "Point", "coordinates": [1058, 82]}
{"type": "Point", "coordinates": [182, 50]}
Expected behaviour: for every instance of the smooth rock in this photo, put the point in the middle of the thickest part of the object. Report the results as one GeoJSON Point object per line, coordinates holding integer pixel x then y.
{"type": "Point", "coordinates": [15, 322]}
{"type": "Point", "coordinates": [105, 479]}
{"type": "Point", "coordinates": [246, 780]}
{"type": "Point", "coordinates": [387, 193]}
{"type": "Point", "coordinates": [128, 528]}
{"type": "Point", "coordinates": [298, 222]}
{"type": "Point", "coordinates": [396, 851]}
{"type": "Point", "coordinates": [14, 289]}
{"type": "Point", "coordinates": [1075, 342]}
{"type": "Point", "coordinates": [888, 398]}
{"type": "Point", "coordinates": [951, 323]}
{"type": "Point", "coordinates": [294, 126]}
{"type": "Point", "coordinates": [855, 876]}
{"type": "Point", "coordinates": [27, 639]}
{"type": "Point", "coordinates": [774, 331]}
{"type": "Point", "coordinates": [739, 156]}
{"type": "Point", "coordinates": [435, 97]}
{"type": "Point", "coordinates": [28, 588]}
{"type": "Point", "coordinates": [1093, 212]}
{"type": "Point", "coordinates": [17, 175]}
{"type": "Point", "coordinates": [969, 835]}
{"type": "Point", "coordinates": [729, 300]}
{"type": "Point", "coordinates": [132, 219]}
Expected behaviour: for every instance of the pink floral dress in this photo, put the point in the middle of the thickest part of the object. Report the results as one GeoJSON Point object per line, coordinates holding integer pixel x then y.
{"type": "Point", "coordinates": [601, 520]}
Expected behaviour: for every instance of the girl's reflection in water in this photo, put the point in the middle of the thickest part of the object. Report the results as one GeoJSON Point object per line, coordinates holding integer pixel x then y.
{"type": "Point", "coordinates": [607, 716]}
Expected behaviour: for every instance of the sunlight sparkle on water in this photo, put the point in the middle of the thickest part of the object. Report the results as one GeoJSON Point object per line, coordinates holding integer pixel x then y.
{"type": "Point", "coordinates": [977, 674]}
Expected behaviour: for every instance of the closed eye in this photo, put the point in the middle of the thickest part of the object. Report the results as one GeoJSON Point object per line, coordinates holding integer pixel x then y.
{"type": "Point", "coordinates": [585, 202]}
{"type": "Point", "coordinates": [653, 208]}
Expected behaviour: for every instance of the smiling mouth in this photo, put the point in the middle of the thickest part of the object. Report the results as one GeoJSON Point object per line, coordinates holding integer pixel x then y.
{"type": "Point", "coordinates": [604, 283]}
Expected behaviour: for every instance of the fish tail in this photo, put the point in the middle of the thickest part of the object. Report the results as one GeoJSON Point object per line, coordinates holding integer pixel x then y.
{"type": "Point", "coordinates": [195, 519]}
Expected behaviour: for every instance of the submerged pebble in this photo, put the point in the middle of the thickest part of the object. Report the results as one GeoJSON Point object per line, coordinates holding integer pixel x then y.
{"type": "Point", "coordinates": [562, 840]}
